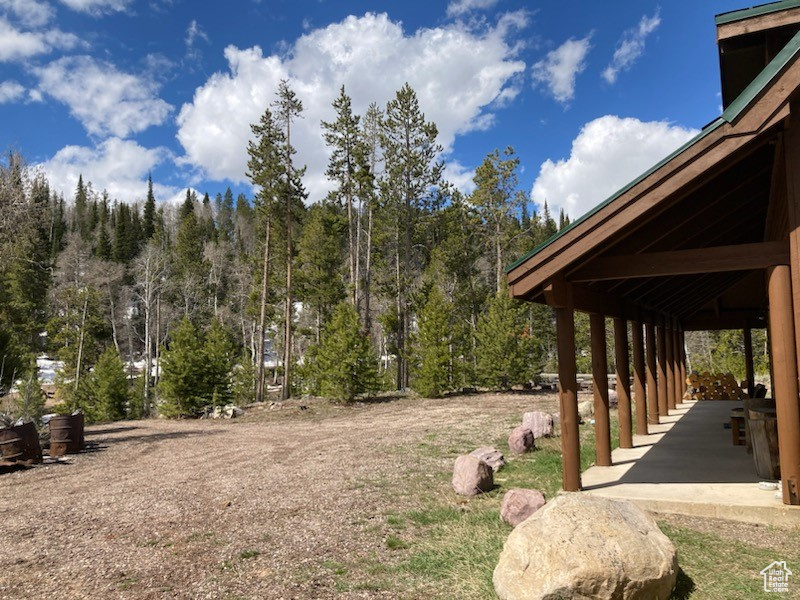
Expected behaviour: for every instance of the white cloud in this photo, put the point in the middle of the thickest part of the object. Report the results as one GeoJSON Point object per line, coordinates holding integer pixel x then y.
{"type": "Point", "coordinates": [559, 69]}
{"type": "Point", "coordinates": [31, 13]}
{"type": "Point", "coordinates": [631, 46]}
{"type": "Point", "coordinates": [105, 100]}
{"type": "Point", "coordinates": [460, 176]}
{"type": "Point", "coordinates": [457, 73]}
{"type": "Point", "coordinates": [456, 8]}
{"type": "Point", "coordinates": [193, 33]}
{"type": "Point", "coordinates": [16, 44]}
{"type": "Point", "coordinates": [97, 8]}
{"type": "Point", "coordinates": [119, 166]}
{"type": "Point", "coordinates": [608, 153]}
{"type": "Point", "coordinates": [10, 91]}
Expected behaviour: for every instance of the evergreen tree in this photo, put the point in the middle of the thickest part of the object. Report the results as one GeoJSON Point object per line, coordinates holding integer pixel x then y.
{"type": "Point", "coordinates": [225, 216]}
{"type": "Point", "coordinates": [149, 214]}
{"type": "Point", "coordinates": [343, 365]}
{"type": "Point", "coordinates": [109, 385]}
{"type": "Point", "coordinates": [183, 373]}
{"type": "Point", "coordinates": [505, 344]}
{"type": "Point", "coordinates": [319, 276]}
{"type": "Point", "coordinates": [218, 350]}
{"type": "Point", "coordinates": [81, 201]}
{"type": "Point", "coordinates": [433, 372]}
{"type": "Point", "coordinates": [411, 172]}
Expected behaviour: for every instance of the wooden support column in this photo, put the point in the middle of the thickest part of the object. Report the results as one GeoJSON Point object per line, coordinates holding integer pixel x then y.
{"type": "Point", "coordinates": [622, 363]}
{"type": "Point", "coordinates": [748, 361]}
{"type": "Point", "coordinates": [652, 385]}
{"type": "Point", "coordinates": [568, 395]}
{"type": "Point", "coordinates": [784, 360]}
{"type": "Point", "coordinates": [684, 368]}
{"type": "Point", "coordinates": [637, 340]}
{"type": "Point", "coordinates": [669, 367]}
{"type": "Point", "coordinates": [676, 361]}
{"type": "Point", "coordinates": [661, 356]}
{"type": "Point", "coordinates": [602, 422]}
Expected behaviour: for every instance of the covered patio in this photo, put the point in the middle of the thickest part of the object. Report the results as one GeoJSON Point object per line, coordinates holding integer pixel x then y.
{"type": "Point", "coordinates": [708, 239]}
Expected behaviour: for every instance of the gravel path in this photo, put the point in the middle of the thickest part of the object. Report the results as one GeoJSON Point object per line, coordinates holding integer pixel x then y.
{"type": "Point", "coordinates": [253, 508]}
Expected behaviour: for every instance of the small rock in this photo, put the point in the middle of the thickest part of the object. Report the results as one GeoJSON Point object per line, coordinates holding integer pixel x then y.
{"type": "Point", "coordinates": [521, 440]}
{"type": "Point", "coordinates": [491, 456]}
{"type": "Point", "coordinates": [275, 405]}
{"type": "Point", "coordinates": [580, 546]}
{"type": "Point", "coordinates": [519, 504]}
{"type": "Point", "coordinates": [613, 398]}
{"type": "Point", "coordinates": [230, 411]}
{"type": "Point", "coordinates": [472, 476]}
{"type": "Point", "coordinates": [540, 423]}
{"type": "Point", "coordinates": [585, 409]}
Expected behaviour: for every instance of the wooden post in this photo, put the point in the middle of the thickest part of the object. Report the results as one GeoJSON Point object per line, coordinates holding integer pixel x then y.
{"type": "Point", "coordinates": [652, 385]}
{"type": "Point", "coordinates": [602, 422]}
{"type": "Point", "coordinates": [784, 360]}
{"type": "Point", "coordinates": [661, 356]}
{"type": "Point", "coordinates": [622, 363]}
{"type": "Point", "coordinates": [568, 397]}
{"type": "Point", "coordinates": [669, 367]}
{"type": "Point", "coordinates": [748, 361]}
{"type": "Point", "coordinates": [684, 366]}
{"type": "Point", "coordinates": [676, 361]}
{"type": "Point", "coordinates": [640, 399]}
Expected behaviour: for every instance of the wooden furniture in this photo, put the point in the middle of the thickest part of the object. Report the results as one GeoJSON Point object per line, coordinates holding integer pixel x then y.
{"type": "Point", "coordinates": [738, 426]}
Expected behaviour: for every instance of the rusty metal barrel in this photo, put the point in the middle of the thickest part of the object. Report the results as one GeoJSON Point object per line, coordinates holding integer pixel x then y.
{"type": "Point", "coordinates": [12, 447]}
{"type": "Point", "coordinates": [66, 434]}
{"type": "Point", "coordinates": [20, 443]}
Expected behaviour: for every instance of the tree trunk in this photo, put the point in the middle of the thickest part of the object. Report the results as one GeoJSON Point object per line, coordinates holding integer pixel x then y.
{"type": "Point", "coordinates": [286, 388]}
{"type": "Point", "coordinates": [262, 318]}
{"type": "Point", "coordinates": [80, 342]}
{"type": "Point", "coordinates": [368, 273]}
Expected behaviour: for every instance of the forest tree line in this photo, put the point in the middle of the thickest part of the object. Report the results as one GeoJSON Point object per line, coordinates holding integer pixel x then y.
{"type": "Point", "coordinates": [394, 280]}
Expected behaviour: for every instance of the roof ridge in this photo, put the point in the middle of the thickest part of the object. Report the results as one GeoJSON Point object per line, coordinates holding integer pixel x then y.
{"type": "Point", "coordinates": [755, 11]}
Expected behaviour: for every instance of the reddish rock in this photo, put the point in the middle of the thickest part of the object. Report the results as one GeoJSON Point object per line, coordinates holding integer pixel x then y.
{"type": "Point", "coordinates": [472, 476]}
{"type": "Point", "coordinates": [521, 440]}
{"type": "Point", "coordinates": [540, 424]}
{"type": "Point", "coordinates": [491, 456]}
{"type": "Point", "coordinates": [519, 504]}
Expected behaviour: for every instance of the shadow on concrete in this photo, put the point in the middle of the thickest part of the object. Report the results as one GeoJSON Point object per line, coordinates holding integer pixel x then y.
{"type": "Point", "coordinates": [696, 449]}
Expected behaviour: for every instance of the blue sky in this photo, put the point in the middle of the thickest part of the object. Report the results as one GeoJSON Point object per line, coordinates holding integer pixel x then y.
{"type": "Point", "coordinates": [588, 93]}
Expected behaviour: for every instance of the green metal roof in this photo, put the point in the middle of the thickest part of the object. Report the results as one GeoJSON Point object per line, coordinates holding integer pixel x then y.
{"type": "Point", "coordinates": [750, 93]}
{"type": "Point", "coordinates": [755, 11]}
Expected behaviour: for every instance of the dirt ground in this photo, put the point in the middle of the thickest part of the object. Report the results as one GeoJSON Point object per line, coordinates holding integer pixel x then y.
{"type": "Point", "coordinates": [250, 508]}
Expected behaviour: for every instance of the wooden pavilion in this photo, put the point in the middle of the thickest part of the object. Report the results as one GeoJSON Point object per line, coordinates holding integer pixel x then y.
{"type": "Point", "coordinates": [707, 239]}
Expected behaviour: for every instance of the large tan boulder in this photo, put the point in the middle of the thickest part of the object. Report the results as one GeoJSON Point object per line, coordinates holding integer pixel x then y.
{"type": "Point", "coordinates": [581, 546]}
{"type": "Point", "coordinates": [472, 476]}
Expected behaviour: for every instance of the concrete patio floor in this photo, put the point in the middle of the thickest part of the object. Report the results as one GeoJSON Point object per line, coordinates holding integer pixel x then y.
{"type": "Point", "coordinates": [688, 465]}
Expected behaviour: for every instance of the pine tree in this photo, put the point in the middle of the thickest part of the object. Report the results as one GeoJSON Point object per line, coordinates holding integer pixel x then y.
{"type": "Point", "coordinates": [225, 216]}
{"type": "Point", "coordinates": [319, 257]}
{"type": "Point", "coordinates": [81, 200]}
{"type": "Point", "coordinates": [505, 344]}
{"type": "Point", "coordinates": [109, 385]}
{"type": "Point", "coordinates": [218, 351]}
{"type": "Point", "coordinates": [344, 364]}
{"type": "Point", "coordinates": [183, 373]}
{"type": "Point", "coordinates": [149, 214]}
{"type": "Point", "coordinates": [433, 372]}
{"type": "Point", "coordinates": [288, 109]}
{"type": "Point", "coordinates": [411, 172]}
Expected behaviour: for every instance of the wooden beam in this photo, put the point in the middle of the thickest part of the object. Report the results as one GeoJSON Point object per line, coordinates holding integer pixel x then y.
{"type": "Point", "coordinates": [652, 379]}
{"type": "Point", "coordinates": [739, 257]}
{"type": "Point", "coordinates": [755, 319]}
{"type": "Point", "coordinates": [676, 364]}
{"type": "Point", "coordinates": [726, 31]}
{"type": "Point", "coordinates": [623, 371]}
{"type": "Point", "coordinates": [568, 397]}
{"type": "Point", "coordinates": [602, 421]}
{"type": "Point", "coordinates": [784, 357]}
{"type": "Point", "coordinates": [639, 377]}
